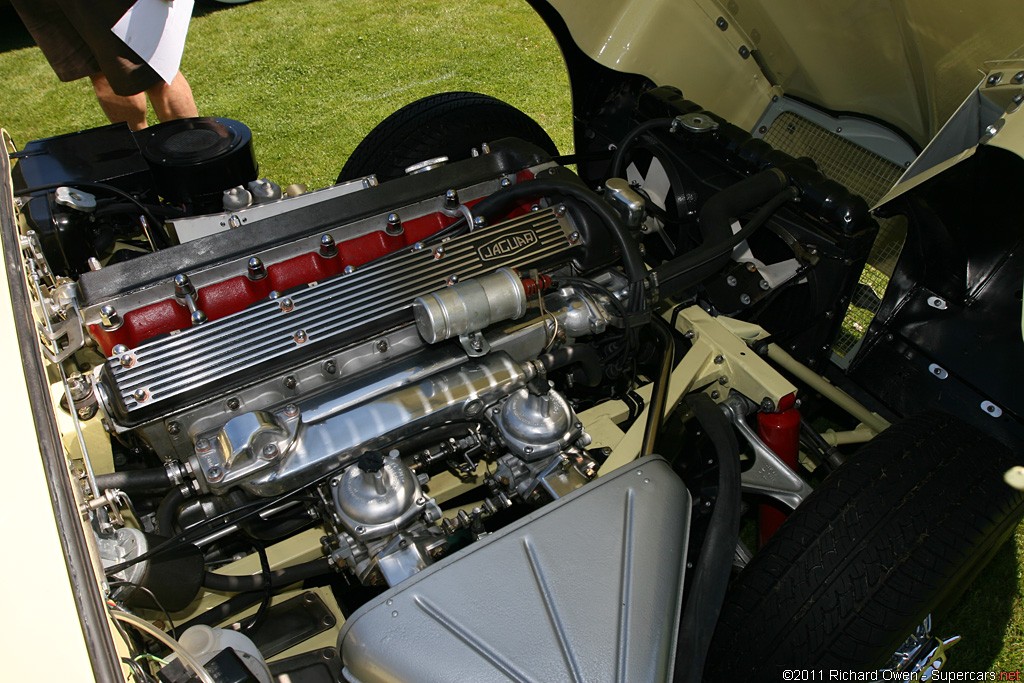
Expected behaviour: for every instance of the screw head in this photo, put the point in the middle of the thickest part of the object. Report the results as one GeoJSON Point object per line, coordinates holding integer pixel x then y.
{"type": "Point", "coordinates": [287, 305]}
{"type": "Point", "coordinates": [233, 403]}
{"type": "Point", "coordinates": [140, 395]}
{"type": "Point", "coordinates": [291, 410]}
{"type": "Point", "coordinates": [202, 444]}
{"type": "Point", "coordinates": [214, 473]}
{"type": "Point", "coordinates": [745, 299]}
{"type": "Point", "coordinates": [300, 337]}
{"type": "Point", "coordinates": [382, 345]}
{"type": "Point", "coordinates": [719, 359]}
{"type": "Point", "coordinates": [270, 451]}
{"type": "Point", "coordinates": [330, 367]}
{"type": "Point", "coordinates": [290, 382]}
{"type": "Point", "coordinates": [174, 428]}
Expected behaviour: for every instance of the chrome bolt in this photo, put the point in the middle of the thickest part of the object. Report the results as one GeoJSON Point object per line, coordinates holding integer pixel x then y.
{"type": "Point", "coordinates": [183, 286]}
{"type": "Point", "coordinates": [763, 284]}
{"type": "Point", "coordinates": [300, 337]}
{"type": "Point", "coordinates": [233, 404]}
{"type": "Point", "coordinates": [330, 367]}
{"type": "Point", "coordinates": [119, 349]}
{"type": "Point", "coordinates": [453, 279]}
{"type": "Point", "coordinates": [417, 246]}
{"type": "Point", "coordinates": [394, 226]}
{"type": "Point", "coordinates": [214, 473]}
{"type": "Point", "coordinates": [202, 445]}
{"type": "Point", "coordinates": [328, 249]}
{"type": "Point", "coordinates": [439, 252]}
{"type": "Point", "coordinates": [126, 360]}
{"type": "Point", "coordinates": [140, 395]}
{"type": "Point", "coordinates": [291, 410]}
{"type": "Point", "coordinates": [451, 199]}
{"type": "Point", "coordinates": [745, 299]}
{"type": "Point", "coordinates": [173, 428]}
{"type": "Point", "coordinates": [528, 450]}
{"type": "Point", "coordinates": [349, 269]}
{"type": "Point", "coordinates": [505, 182]}
{"type": "Point", "coordinates": [421, 501]}
{"type": "Point", "coordinates": [479, 222]}
{"type": "Point", "coordinates": [110, 319]}
{"type": "Point", "coordinates": [286, 305]}
{"type": "Point", "coordinates": [560, 210]}
{"type": "Point", "coordinates": [256, 270]}
{"type": "Point", "coordinates": [270, 451]}
{"type": "Point", "coordinates": [198, 318]}
{"type": "Point", "coordinates": [731, 280]}
{"type": "Point", "coordinates": [382, 345]}
{"type": "Point", "coordinates": [574, 237]}
{"type": "Point", "coordinates": [767, 404]}
{"type": "Point", "coordinates": [290, 382]}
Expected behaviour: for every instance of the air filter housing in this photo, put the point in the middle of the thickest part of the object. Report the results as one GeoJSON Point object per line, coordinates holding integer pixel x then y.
{"type": "Point", "coordinates": [194, 160]}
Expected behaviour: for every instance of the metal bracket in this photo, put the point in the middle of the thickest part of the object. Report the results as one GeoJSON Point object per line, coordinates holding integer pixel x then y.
{"type": "Point", "coordinates": [768, 475]}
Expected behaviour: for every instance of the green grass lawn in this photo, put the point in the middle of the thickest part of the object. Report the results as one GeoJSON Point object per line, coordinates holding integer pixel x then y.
{"type": "Point", "coordinates": [312, 78]}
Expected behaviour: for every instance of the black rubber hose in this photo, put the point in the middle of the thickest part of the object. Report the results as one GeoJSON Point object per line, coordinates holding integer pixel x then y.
{"type": "Point", "coordinates": [167, 511]}
{"type": "Point", "coordinates": [618, 166]}
{"type": "Point", "coordinates": [714, 563]}
{"type": "Point", "coordinates": [133, 481]}
{"type": "Point", "coordinates": [278, 577]}
{"type": "Point", "coordinates": [503, 199]}
{"type": "Point", "coordinates": [659, 388]}
{"type": "Point", "coordinates": [685, 271]}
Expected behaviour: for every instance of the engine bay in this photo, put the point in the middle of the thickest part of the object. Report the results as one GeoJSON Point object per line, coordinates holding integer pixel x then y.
{"type": "Point", "coordinates": [314, 414]}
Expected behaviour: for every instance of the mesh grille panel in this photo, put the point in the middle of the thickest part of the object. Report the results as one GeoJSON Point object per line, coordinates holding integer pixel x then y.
{"type": "Point", "coordinates": [866, 174]}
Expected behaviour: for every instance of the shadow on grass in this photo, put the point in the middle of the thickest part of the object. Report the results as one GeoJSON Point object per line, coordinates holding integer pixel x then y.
{"type": "Point", "coordinates": [984, 613]}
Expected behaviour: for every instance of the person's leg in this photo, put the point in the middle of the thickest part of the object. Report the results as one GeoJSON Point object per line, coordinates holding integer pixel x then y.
{"type": "Point", "coordinates": [128, 108]}
{"type": "Point", "coordinates": [173, 100]}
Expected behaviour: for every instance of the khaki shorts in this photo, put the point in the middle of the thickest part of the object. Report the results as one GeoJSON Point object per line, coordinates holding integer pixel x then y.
{"type": "Point", "coordinates": [76, 38]}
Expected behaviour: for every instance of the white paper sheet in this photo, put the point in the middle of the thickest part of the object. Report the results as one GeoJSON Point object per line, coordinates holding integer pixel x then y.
{"type": "Point", "coordinates": [156, 30]}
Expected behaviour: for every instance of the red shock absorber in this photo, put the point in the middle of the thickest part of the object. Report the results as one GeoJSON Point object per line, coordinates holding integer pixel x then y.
{"type": "Point", "coordinates": [780, 431]}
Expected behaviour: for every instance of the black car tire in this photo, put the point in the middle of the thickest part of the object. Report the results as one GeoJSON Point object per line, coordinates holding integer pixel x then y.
{"type": "Point", "coordinates": [892, 535]}
{"type": "Point", "coordinates": [447, 124]}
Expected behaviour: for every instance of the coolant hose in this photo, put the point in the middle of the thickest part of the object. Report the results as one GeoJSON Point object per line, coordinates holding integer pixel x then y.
{"type": "Point", "coordinates": [133, 481]}
{"type": "Point", "coordinates": [278, 577]}
{"type": "Point", "coordinates": [632, 259]}
{"type": "Point", "coordinates": [659, 388]}
{"type": "Point", "coordinates": [167, 511]}
{"type": "Point", "coordinates": [714, 562]}
{"type": "Point", "coordinates": [768, 190]}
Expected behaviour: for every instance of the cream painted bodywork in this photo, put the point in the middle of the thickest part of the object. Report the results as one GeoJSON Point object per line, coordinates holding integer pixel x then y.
{"type": "Point", "coordinates": [40, 635]}
{"type": "Point", "coordinates": [907, 62]}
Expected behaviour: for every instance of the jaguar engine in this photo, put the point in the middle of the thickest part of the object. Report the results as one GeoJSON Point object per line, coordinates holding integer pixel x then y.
{"type": "Point", "coordinates": [414, 379]}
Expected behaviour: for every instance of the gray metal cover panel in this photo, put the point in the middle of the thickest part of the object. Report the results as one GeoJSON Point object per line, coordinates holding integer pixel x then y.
{"type": "Point", "coordinates": [585, 589]}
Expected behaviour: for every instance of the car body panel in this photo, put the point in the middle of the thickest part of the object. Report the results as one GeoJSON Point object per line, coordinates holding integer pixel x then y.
{"type": "Point", "coordinates": [924, 56]}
